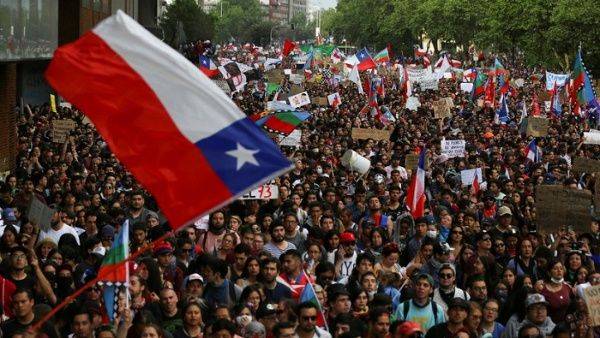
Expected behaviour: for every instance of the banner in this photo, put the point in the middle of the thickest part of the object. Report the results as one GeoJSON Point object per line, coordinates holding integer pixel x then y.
{"type": "Point", "coordinates": [375, 134]}
{"type": "Point", "coordinates": [559, 79]}
{"type": "Point", "coordinates": [453, 148]}
{"type": "Point", "coordinates": [429, 83]}
{"type": "Point", "coordinates": [417, 75]}
{"type": "Point", "coordinates": [299, 100]}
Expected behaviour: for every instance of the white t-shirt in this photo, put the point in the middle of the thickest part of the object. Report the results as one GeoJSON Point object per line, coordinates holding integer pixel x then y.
{"type": "Point", "coordinates": [55, 235]}
{"type": "Point", "coordinates": [347, 266]}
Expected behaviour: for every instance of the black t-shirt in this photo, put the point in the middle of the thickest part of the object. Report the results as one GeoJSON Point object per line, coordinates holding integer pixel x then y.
{"type": "Point", "coordinates": [13, 326]}
{"type": "Point", "coordinates": [26, 283]}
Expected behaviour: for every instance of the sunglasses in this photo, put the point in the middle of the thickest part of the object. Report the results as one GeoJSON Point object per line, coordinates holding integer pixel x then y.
{"type": "Point", "coordinates": [446, 275]}
{"type": "Point", "coordinates": [312, 318]}
{"type": "Point", "coordinates": [457, 232]}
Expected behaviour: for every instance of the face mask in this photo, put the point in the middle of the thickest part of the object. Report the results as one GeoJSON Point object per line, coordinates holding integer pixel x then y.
{"type": "Point", "coordinates": [371, 294]}
{"type": "Point", "coordinates": [557, 281]}
{"type": "Point", "coordinates": [243, 320]}
{"type": "Point", "coordinates": [432, 233]}
{"type": "Point", "coordinates": [64, 281]}
{"type": "Point", "coordinates": [319, 170]}
{"type": "Point", "coordinates": [503, 294]}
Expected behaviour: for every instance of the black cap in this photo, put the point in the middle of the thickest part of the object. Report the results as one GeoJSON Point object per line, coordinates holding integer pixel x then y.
{"type": "Point", "coordinates": [441, 248]}
{"type": "Point", "coordinates": [266, 309]}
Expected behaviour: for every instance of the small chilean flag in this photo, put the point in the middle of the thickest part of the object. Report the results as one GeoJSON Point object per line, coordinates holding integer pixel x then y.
{"type": "Point", "coordinates": [208, 67]}
{"type": "Point", "coordinates": [172, 127]}
{"type": "Point", "coordinates": [531, 153]}
{"type": "Point", "coordinates": [415, 197]}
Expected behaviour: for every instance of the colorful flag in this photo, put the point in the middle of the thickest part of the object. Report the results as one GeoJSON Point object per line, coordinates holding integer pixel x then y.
{"type": "Point", "coordinates": [288, 47]}
{"type": "Point", "coordinates": [490, 92]}
{"type": "Point", "coordinates": [475, 185]}
{"type": "Point", "coordinates": [531, 153]}
{"type": "Point", "coordinates": [555, 105]}
{"type": "Point", "coordinates": [582, 85]}
{"type": "Point", "coordinates": [502, 112]}
{"type": "Point", "coordinates": [272, 88]}
{"type": "Point", "coordinates": [479, 85]}
{"type": "Point", "coordinates": [285, 122]}
{"type": "Point", "coordinates": [365, 60]}
{"type": "Point", "coordinates": [415, 197]}
{"type": "Point", "coordinates": [456, 63]}
{"type": "Point", "coordinates": [382, 56]}
{"type": "Point", "coordinates": [118, 60]}
{"type": "Point", "coordinates": [309, 295]}
{"type": "Point", "coordinates": [208, 67]}
{"type": "Point", "coordinates": [420, 52]}
{"type": "Point", "coordinates": [470, 74]}
{"type": "Point", "coordinates": [536, 106]}
{"type": "Point", "coordinates": [115, 280]}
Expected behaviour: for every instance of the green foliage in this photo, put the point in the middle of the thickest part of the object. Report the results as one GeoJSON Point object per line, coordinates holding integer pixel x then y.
{"type": "Point", "coordinates": [186, 14]}
{"type": "Point", "coordinates": [546, 32]}
{"type": "Point", "coordinates": [242, 21]}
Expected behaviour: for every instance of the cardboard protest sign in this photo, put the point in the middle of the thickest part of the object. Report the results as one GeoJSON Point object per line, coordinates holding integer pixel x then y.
{"type": "Point", "coordinates": [40, 213]}
{"type": "Point", "coordinates": [468, 176]}
{"type": "Point", "coordinates": [275, 76]}
{"type": "Point", "coordinates": [586, 165]}
{"type": "Point", "coordinates": [441, 109]}
{"type": "Point", "coordinates": [411, 161]}
{"type": "Point", "coordinates": [265, 191]}
{"type": "Point", "coordinates": [591, 137]}
{"type": "Point", "coordinates": [537, 126]}
{"type": "Point", "coordinates": [292, 140]}
{"type": "Point", "coordinates": [453, 148]}
{"type": "Point", "coordinates": [296, 89]}
{"type": "Point", "coordinates": [299, 100]}
{"type": "Point", "coordinates": [320, 101]}
{"type": "Point", "coordinates": [558, 206]}
{"type": "Point", "coordinates": [366, 133]}
{"type": "Point", "coordinates": [61, 129]}
{"type": "Point", "coordinates": [591, 295]}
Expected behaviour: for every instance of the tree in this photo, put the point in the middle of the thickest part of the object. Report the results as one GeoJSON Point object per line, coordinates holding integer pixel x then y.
{"type": "Point", "coordinates": [240, 21]}
{"type": "Point", "coordinates": [196, 24]}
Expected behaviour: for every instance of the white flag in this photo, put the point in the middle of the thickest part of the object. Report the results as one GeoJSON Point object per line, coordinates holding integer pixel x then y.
{"type": "Point", "coordinates": [354, 77]}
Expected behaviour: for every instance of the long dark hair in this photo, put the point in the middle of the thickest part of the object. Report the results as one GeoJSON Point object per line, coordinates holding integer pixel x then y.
{"type": "Point", "coordinates": [153, 283]}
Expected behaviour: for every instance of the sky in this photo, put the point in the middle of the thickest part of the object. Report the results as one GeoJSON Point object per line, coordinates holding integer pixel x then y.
{"type": "Point", "coordinates": [324, 3]}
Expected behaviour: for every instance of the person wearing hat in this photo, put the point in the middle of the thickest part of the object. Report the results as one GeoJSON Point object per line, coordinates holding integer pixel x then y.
{"type": "Point", "coordinates": [537, 314]}
{"type": "Point", "coordinates": [267, 315]}
{"type": "Point", "coordinates": [345, 256]}
{"type": "Point", "coordinates": [458, 310]}
{"type": "Point", "coordinates": [170, 271]}
{"type": "Point", "coordinates": [193, 285]}
{"type": "Point", "coordinates": [504, 223]}
{"type": "Point", "coordinates": [447, 289]}
{"type": "Point", "coordinates": [256, 329]}
{"type": "Point", "coordinates": [408, 329]}
{"type": "Point", "coordinates": [421, 308]}
{"type": "Point", "coordinates": [441, 255]}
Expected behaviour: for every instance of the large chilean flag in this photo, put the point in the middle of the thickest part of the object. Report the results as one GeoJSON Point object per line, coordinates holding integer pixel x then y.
{"type": "Point", "coordinates": [415, 196]}
{"type": "Point", "coordinates": [175, 130]}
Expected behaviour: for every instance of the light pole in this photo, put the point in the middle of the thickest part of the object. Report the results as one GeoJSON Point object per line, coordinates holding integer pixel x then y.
{"type": "Point", "coordinates": [271, 35]}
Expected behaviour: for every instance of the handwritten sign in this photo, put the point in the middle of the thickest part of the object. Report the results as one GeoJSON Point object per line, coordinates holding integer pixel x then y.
{"type": "Point", "coordinates": [453, 148]}
{"type": "Point", "coordinates": [292, 140]}
{"type": "Point", "coordinates": [40, 213]}
{"type": "Point", "coordinates": [265, 191]}
{"type": "Point", "coordinates": [366, 133]}
{"type": "Point", "coordinates": [61, 129]}
{"type": "Point", "coordinates": [320, 101]}
{"type": "Point", "coordinates": [537, 126]}
{"type": "Point", "coordinates": [586, 165]}
{"type": "Point", "coordinates": [468, 176]}
{"type": "Point", "coordinates": [591, 295]}
{"type": "Point", "coordinates": [558, 206]}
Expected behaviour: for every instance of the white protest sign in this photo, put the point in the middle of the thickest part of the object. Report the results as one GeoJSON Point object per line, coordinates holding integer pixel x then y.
{"type": "Point", "coordinates": [468, 176]}
{"type": "Point", "coordinates": [555, 79]}
{"type": "Point", "coordinates": [413, 103]}
{"type": "Point", "coordinates": [447, 75]}
{"type": "Point", "coordinates": [593, 137]}
{"type": "Point", "coordinates": [548, 105]}
{"type": "Point", "coordinates": [296, 78]}
{"type": "Point", "coordinates": [265, 191]}
{"type": "Point", "coordinates": [429, 84]}
{"type": "Point", "coordinates": [417, 75]}
{"type": "Point", "coordinates": [292, 140]}
{"type": "Point", "coordinates": [520, 82]}
{"type": "Point", "coordinates": [466, 87]}
{"type": "Point", "coordinates": [299, 100]}
{"type": "Point", "coordinates": [453, 148]}
{"type": "Point", "coordinates": [287, 71]}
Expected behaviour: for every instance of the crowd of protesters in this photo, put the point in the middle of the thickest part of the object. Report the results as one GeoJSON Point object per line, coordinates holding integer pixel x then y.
{"type": "Point", "coordinates": [473, 266]}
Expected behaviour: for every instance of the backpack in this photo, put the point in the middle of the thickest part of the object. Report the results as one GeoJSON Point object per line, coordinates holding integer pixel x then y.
{"type": "Point", "coordinates": [434, 308]}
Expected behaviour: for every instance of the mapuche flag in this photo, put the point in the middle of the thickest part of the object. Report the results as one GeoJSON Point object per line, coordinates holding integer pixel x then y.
{"type": "Point", "coordinates": [170, 125]}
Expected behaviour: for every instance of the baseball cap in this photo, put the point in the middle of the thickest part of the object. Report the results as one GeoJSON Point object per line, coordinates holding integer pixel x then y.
{"type": "Point", "coordinates": [163, 249]}
{"type": "Point", "coordinates": [441, 248]}
{"type": "Point", "coordinates": [504, 210]}
{"type": "Point", "coordinates": [408, 328]}
{"type": "Point", "coordinates": [458, 302]}
{"type": "Point", "coordinates": [535, 298]}
{"type": "Point", "coordinates": [347, 237]}
{"type": "Point", "coordinates": [108, 231]}
{"type": "Point", "coordinates": [266, 309]}
{"type": "Point", "coordinates": [194, 277]}
{"type": "Point", "coordinates": [423, 275]}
